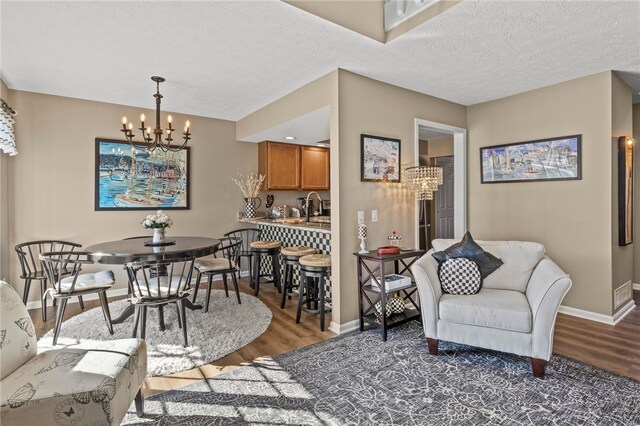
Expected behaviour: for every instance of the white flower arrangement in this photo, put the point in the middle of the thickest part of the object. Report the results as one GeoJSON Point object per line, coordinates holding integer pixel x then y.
{"type": "Point", "coordinates": [158, 220]}
{"type": "Point", "coordinates": [249, 185]}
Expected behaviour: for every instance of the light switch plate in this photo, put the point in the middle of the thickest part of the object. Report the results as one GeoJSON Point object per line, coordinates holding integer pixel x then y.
{"type": "Point", "coordinates": [360, 217]}
{"type": "Point", "coordinates": [374, 215]}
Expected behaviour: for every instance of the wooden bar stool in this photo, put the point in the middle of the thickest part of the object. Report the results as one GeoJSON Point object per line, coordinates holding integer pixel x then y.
{"type": "Point", "coordinates": [290, 258]}
{"type": "Point", "coordinates": [315, 271]}
{"type": "Point", "coordinates": [265, 248]}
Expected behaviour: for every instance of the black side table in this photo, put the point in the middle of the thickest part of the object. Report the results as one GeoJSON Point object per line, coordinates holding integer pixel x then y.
{"type": "Point", "coordinates": [374, 265]}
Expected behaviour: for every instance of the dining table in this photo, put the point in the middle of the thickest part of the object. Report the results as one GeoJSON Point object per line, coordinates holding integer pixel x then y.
{"type": "Point", "coordinates": [143, 249]}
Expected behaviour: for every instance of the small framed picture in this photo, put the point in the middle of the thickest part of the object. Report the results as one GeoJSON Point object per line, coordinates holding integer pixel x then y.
{"type": "Point", "coordinates": [379, 159]}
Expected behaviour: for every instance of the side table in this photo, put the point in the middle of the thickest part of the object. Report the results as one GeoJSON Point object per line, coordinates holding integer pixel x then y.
{"type": "Point", "coordinates": [372, 270]}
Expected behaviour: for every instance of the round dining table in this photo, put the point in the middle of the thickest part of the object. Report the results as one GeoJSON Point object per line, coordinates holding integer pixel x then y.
{"type": "Point", "coordinates": [138, 249]}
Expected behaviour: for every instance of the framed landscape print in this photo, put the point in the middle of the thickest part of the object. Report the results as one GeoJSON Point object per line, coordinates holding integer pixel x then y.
{"type": "Point", "coordinates": [545, 159]}
{"type": "Point", "coordinates": [625, 190]}
{"type": "Point", "coordinates": [379, 159]}
{"type": "Point", "coordinates": [131, 177]}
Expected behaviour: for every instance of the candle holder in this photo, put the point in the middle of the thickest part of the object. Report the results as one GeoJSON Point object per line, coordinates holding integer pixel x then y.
{"type": "Point", "coordinates": [362, 235]}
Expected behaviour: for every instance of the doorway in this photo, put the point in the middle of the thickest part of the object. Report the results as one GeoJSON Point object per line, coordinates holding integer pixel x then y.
{"type": "Point", "coordinates": [444, 146]}
{"type": "Point", "coordinates": [443, 208]}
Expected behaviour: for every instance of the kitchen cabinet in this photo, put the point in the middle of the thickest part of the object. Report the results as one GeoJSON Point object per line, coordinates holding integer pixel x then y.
{"type": "Point", "coordinates": [280, 164]}
{"type": "Point", "coordinates": [293, 167]}
{"type": "Point", "coordinates": [314, 168]}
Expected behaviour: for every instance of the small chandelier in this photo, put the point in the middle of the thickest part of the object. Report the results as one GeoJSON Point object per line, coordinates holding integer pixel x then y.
{"type": "Point", "coordinates": [423, 180]}
{"type": "Point", "coordinates": [153, 137]}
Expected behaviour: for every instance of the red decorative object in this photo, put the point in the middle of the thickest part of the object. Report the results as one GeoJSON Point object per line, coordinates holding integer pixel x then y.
{"type": "Point", "coordinates": [388, 250]}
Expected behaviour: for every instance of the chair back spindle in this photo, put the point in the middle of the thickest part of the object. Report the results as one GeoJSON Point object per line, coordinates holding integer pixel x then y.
{"type": "Point", "coordinates": [29, 254]}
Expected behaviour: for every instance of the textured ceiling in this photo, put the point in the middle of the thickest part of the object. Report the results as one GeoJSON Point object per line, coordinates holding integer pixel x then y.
{"type": "Point", "coordinates": [227, 59]}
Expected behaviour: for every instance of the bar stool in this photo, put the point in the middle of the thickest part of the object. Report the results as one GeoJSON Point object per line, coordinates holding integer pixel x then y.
{"type": "Point", "coordinates": [265, 248]}
{"type": "Point", "coordinates": [290, 258]}
{"type": "Point", "coordinates": [315, 271]}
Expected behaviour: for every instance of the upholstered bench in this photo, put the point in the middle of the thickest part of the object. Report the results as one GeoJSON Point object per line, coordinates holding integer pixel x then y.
{"type": "Point", "coordinates": [82, 384]}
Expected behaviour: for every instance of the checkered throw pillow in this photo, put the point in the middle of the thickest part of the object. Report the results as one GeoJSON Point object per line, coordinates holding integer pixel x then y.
{"type": "Point", "coordinates": [460, 276]}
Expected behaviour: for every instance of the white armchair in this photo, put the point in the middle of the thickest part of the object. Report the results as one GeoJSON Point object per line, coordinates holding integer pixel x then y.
{"type": "Point", "coordinates": [515, 311]}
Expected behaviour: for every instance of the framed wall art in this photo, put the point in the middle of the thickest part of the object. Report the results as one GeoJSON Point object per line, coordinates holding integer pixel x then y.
{"type": "Point", "coordinates": [625, 190]}
{"type": "Point", "coordinates": [128, 176]}
{"type": "Point", "coordinates": [379, 159]}
{"type": "Point", "coordinates": [540, 160]}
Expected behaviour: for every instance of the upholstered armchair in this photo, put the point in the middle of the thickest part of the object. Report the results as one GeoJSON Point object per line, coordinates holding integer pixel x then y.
{"type": "Point", "coordinates": [514, 311]}
{"type": "Point", "coordinates": [81, 384]}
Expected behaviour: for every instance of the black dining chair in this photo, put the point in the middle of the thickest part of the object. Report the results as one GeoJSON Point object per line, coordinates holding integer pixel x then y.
{"type": "Point", "coordinates": [32, 270]}
{"type": "Point", "coordinates": [247, 235]}
{"type": "Point", "coordinates": [158, 283]}
{"type": "Point", "coordinates": [225, 264]}
{"type": "Point", "coordinates": [62, 270]}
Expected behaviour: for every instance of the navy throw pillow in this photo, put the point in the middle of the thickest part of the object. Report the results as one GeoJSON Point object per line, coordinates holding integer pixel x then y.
{"type": "Point", "coordinates": [469, 249]}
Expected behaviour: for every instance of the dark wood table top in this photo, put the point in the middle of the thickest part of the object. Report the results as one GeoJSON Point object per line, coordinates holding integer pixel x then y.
{"type": "Point", "coordinates": [134, 250]}
{"type": "Point", "coordinates": [373, 255]}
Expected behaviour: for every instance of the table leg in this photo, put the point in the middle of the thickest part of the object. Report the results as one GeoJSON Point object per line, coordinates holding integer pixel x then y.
{"type": "Point", "coordinates": [360, 284]}
{"type": "Point", "coordinates": [383, 302]}
{"type": "Point", "coordinates": [189, 305]}
{"type": "Point", "coordinates": [126, 313]}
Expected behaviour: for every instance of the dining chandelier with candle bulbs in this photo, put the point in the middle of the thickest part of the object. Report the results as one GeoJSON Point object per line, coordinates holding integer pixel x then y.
{"type": "Point", "coordinates": [157, 137]}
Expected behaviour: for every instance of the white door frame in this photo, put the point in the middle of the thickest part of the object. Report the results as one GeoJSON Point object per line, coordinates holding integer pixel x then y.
{"type": "Point", "coordinates": [459, 172]}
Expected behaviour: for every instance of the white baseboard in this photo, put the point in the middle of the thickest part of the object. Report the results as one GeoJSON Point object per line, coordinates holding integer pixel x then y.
{"type": "Point", "coordinates": [594, 316]}
{"type": "Point", "coordinates": [636, 286]}
{"type": "Point", "coordinates": [344, 328]}
{"type": "Point", "coordinates": [37, 304]}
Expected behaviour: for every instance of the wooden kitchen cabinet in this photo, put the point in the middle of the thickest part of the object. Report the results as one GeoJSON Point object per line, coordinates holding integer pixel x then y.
{"type": "Point", "coordinates": [280, 163]}
{"type": "Point", "coordinates": [314, 168]}
{"type": "Point", "coordinates": [293, 167]}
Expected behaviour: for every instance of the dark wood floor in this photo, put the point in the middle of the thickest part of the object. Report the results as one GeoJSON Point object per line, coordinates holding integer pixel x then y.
{"type": "Point", "coordinates": [614, 348]}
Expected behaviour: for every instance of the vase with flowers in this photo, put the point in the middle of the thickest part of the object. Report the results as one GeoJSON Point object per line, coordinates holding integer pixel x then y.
{"type": "Point", "coordinates": [250, 186]}
{"type": "Point", "coordinates": [159, 222]}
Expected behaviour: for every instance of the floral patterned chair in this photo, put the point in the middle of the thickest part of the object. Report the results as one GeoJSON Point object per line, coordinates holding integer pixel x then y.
{"type": "Point", "coordinates": [82, 384]}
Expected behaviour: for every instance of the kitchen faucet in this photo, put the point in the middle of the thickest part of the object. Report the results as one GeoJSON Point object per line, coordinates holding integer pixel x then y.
{"type": "Point", "coordinates": [307, 203]}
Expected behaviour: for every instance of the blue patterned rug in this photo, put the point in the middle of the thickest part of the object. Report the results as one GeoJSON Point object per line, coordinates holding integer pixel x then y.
{"type": "Point", "coordinates": [356, 379]}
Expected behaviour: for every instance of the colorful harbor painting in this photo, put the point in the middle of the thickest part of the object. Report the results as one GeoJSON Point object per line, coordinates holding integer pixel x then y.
{"type": "Point", "coordinates": [545, 159]}
{"type": "Point", "coordinates": [132, 177]}
{"type": "Point", "coordinates": [380, 159]}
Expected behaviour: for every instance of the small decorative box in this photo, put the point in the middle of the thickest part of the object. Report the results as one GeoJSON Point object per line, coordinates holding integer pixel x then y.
{"type": "Point", "coordinates": [388, 250]}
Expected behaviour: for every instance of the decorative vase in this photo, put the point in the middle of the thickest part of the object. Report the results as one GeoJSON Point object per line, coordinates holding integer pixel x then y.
{"type": "Point", "coordinates": [250, 208]}
{"type": "Point", "coordinates": [158, 235]}
{"type": "Point", "coordinates": [395, 306]}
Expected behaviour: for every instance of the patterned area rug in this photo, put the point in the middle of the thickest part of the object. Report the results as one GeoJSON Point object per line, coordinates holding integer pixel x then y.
{"type": "Point", "coordinates": [226, 328]}
{"type": "Point", "coordinates": [357, 379]}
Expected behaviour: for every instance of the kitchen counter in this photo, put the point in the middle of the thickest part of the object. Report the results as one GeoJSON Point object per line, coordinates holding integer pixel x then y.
{"type": "Point", "coordinates": [308, 234]}
{"type": "Point", "coordinates": [320, 227]}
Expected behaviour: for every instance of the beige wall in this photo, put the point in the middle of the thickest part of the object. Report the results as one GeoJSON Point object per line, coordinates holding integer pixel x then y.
{"type": "Point", "coordinates": [362, 16]}
{"type": "Point", "coordinates": [301, 101]}
{"type": "Point", "coordinates": [621, 125]}
{"type": "Point", "coordinates": [52, 185]}
{"type": "Point", "coordinates": [571, 218]}
{"type": "Point", "coordinates": [636, 196]}
{"type": "Point", "coordinates": [367, 16]}
{"type": "Point", "coordinates": [376, 108]}
{"type": "Point", "coordinates": [5, 249]}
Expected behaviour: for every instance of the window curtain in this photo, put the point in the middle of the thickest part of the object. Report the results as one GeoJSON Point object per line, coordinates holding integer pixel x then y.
{"type": "Point", "coordinates": [7, 133]}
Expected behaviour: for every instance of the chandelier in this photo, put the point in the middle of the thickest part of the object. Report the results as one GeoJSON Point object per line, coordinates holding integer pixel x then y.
{"type": "Point", "coordinates": [423, 180]}
{"type": "Point", "coordinates": [154, 137]}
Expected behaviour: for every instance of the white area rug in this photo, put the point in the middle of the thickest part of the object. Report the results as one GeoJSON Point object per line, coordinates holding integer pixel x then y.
{"type": "Point", "coordinates": [226, 328]}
